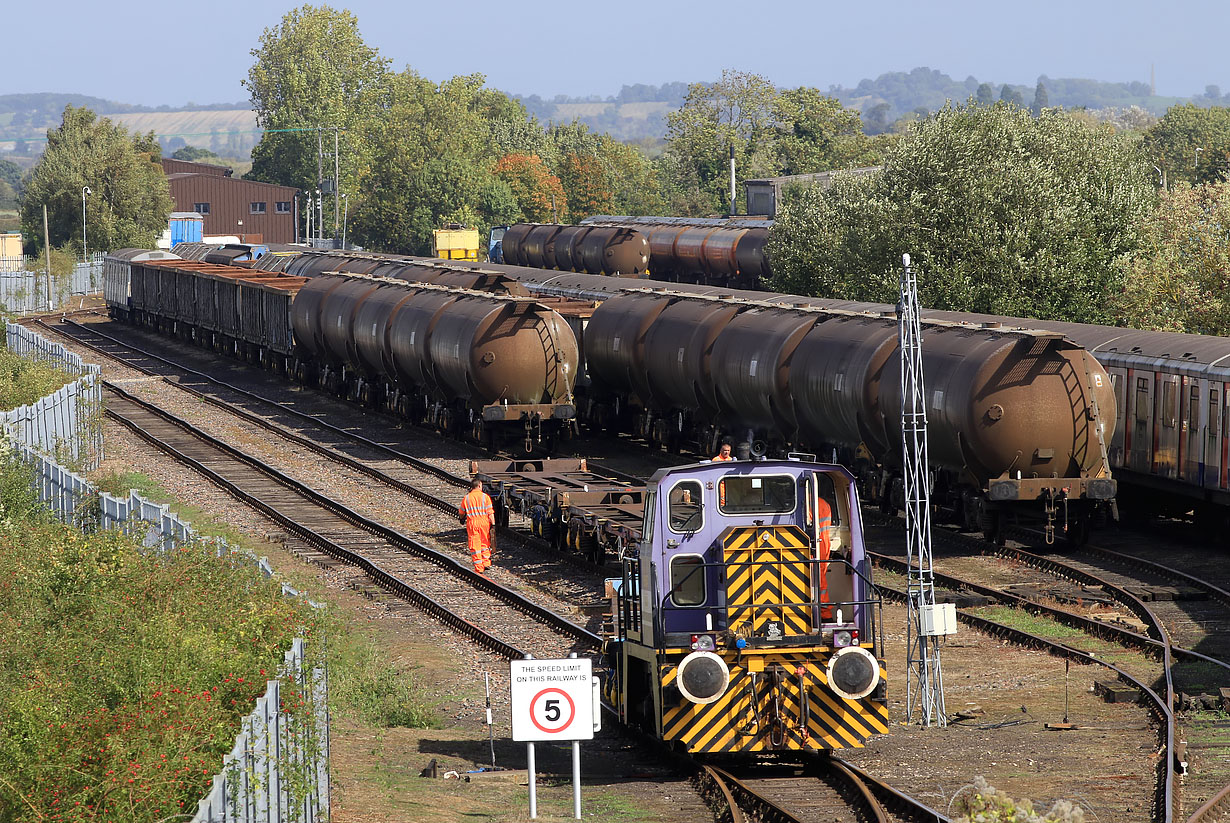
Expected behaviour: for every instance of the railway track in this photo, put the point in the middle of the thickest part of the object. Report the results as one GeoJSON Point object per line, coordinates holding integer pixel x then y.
{"type": "Point", "coordinates": [825, 789]}
{"type": "Point", "coordinates": [408, 568]}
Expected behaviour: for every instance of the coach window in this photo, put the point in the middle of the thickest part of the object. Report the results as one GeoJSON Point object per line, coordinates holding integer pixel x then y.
{"type": "Point", "coordinates": [651, 499]}
{"type": "Point", "coordinates": [739, 494]}
{"type": "Point", "coordinates": [1142, 400]}
{"type": "Point", "coordinates": [1169, 401]}
{"type": "Point", "coordinates": [688, 580]}
{"type": "Point", "coordinates": [1193, 409]}
{"type": "Point", "coordinates": [1214, 417]}
{"type": "Point", "coordinates": [685, 511]}
{"type": "Point", "coordinates": [256, 208]}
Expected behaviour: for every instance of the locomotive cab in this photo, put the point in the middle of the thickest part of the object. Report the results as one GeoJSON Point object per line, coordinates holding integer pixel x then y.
{"type": "Point", "coordinates": [747, 617]}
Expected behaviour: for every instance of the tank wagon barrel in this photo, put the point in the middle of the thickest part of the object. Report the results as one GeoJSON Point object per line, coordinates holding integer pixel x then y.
{"type": "Point", "coordinates": [717, 252]}
{"type": "Point", "coordinates": [466, 361]}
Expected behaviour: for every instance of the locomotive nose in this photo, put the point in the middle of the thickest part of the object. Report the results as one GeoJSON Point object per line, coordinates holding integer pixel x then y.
{"type": "Point", "coordinates": [703, 677]}
{"type": "Point", "coordinates": [853, 673]}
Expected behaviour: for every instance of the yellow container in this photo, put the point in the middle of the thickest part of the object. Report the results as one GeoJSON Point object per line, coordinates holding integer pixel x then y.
{"type": "Point", "coordinates": [10, 252]}
{"type": "Point", "coordinates": [455, 243]}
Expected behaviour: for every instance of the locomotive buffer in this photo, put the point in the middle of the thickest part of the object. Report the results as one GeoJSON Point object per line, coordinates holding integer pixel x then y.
{"type": "Point", "coordinates": [926, 622]}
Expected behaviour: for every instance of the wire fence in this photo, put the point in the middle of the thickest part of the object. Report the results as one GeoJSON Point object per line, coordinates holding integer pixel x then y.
{"type": "Point", "coordinates": [25, 286]}
{"type": "Point", "coordinates": [278, 769]}
{"type": "Point", "coordinates": [67, 423]}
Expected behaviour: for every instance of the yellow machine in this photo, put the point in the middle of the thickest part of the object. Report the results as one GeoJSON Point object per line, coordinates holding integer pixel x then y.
{"type": "Point", "coordinates": [455, 242]}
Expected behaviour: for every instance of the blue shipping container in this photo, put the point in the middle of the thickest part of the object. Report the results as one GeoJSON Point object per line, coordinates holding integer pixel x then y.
{"type": "Point", "coordinates": [186, 227]}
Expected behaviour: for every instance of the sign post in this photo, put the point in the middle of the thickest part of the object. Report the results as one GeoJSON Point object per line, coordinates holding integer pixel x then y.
{"type": "Point", "coordinates": [553, 700]}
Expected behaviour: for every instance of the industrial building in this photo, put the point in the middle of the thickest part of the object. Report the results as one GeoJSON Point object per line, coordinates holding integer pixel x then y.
{"type": "Point", "coordinates": [232, 207]}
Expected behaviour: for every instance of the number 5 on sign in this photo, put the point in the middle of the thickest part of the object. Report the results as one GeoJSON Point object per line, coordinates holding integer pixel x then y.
{"type": "Point", "coordinates": [552, 699]}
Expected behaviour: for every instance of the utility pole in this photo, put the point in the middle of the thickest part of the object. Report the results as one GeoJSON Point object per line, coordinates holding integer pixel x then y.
{"type": "Point", "coordinates": [47, 252]}
{"type": "Point", "coordinates": [336, 183]}
{"type": "Point", "coordinates": [732, 179]}
{"type": "Point", "coordinates": [926, 621]}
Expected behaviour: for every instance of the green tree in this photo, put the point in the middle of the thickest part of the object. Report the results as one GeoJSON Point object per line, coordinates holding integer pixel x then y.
{"type": "Point", "coordinates": [313, 71]}
{"type": "Point", "coordinates": [194, 154]}
{"type": "Point", "coordinates": [1180, 279]}
{"type": "Point", "coordinates": [1008, 94]}
{"type": "Point", "coordinates": [733, 114]}
{"type": "Point", "coordinates": [1186, 133]}
{"type": "Point", "coordinates": [427, 163]}
{"type": "Point", "coordinates": [1003, 213]}
{"type": "Point", "coordinates": [1041, 100]}
{"type": "Point", "coordinates": [130, 201]}
{"type": "Point", "coordinates": [986, 94]}
{"type": "Point", "coordinates": [816, 133]}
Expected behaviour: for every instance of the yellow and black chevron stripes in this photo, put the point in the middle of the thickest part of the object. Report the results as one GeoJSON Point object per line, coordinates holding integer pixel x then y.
{"type": "Point", "coordinates": [766, 713]}
{"type": "Point", "coordinates": [768, 579]}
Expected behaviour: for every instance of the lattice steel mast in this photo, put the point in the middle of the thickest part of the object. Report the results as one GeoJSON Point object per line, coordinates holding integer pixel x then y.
{"type": "Point", "coordinates": [924, 680]}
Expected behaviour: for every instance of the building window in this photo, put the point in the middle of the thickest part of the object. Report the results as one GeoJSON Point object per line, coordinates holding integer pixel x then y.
{"type": "Point", "coordinates": [201, 208]}
{"type": "Point", "coordinates": [283, 207]}
{"type": "Point", "coordinates": [256, 208]}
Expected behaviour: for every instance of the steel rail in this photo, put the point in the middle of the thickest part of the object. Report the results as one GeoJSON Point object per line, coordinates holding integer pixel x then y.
{"type": "Point", "coordinates": [896, 800]}
{"type": "Point", "coordinates": [417, 463]}
{"type": "Point", "coordinates": [1164, 792]}
{"type": "Point", "coordinates": [394, 537]}
{"type": "Point", "coordinates": [1219, 802]}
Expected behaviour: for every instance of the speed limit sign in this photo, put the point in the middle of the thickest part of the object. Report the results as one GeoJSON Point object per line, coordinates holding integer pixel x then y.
{"type": "Point", "coordinates": [553, 699]}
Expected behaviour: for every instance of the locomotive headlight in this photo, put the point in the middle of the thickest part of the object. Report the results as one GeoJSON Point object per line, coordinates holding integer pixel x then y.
{"type": "Point", "coordinates": [853, 672]}
{"type": "Point", "coordinates": [703, 643]}
{"type": "Point", "coordinates": [842, 637]}
{"type": "Point", "coordinates": [702, 677]}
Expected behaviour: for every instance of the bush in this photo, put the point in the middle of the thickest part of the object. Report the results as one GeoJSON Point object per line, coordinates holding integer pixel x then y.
{"type": "Point", "coordinates": [24, 381]}
{"type": "Point", "coordinates": [124, 673]}
{"type": "Point", "coordinates": [986, 804]}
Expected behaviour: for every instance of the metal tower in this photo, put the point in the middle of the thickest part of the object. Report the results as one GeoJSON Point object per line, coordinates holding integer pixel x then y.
{"type": "Point", "coordinates": [926, 622]}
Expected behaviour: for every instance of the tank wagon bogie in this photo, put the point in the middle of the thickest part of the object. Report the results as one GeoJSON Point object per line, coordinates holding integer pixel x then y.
{"type": "Point", "coordinates": [744, 621]}
{"type": "Point", "coordinates": [477, 364]}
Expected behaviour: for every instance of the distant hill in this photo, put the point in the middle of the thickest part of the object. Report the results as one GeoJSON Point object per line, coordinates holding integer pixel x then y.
{"type": "Point", "coordinates": [30, 115]}
{"type": "Point", "coordinates": [637, 113]}
{"type": "Point", "coordinates": [928, 89]}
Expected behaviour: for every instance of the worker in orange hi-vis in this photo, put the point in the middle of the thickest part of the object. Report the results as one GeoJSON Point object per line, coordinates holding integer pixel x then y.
{"type": "Point", "coordinates": [723, 454]}
{"type": "Point", "coordinates": [478, 514]}
{"type": "Point", "coordinates": [824, 518]}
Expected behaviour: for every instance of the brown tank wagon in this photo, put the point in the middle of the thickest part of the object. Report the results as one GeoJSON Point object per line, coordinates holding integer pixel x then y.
{"type": "Point", "coordinates": [597, 249]}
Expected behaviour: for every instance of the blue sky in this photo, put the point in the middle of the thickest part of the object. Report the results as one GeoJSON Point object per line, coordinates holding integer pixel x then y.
{"type": "Point", "coordinates": [176, 53]}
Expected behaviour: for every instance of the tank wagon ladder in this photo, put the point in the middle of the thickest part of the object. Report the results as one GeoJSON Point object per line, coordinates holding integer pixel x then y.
{"type": "Point", "coordinates": [1079, 394]}
{"type": "Point", "coordinates": [546, 337]}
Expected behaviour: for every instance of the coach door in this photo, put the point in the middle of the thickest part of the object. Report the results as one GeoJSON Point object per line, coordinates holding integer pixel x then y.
{"type": "Point", "coordinates": [1166, 433]}
{"type": "Point", "coordinates": [1140, 449]}
{"type": "Point", "coordinates": [1116, 448]}
{"type": "Point", "coordinates": [1212, 438]}
{"type": "Point", "coordinates": [1193, 433]}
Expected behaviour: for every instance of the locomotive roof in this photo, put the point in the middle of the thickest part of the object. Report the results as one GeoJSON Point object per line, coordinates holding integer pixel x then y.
{"type": "Point", "coordinates": [748, 467]}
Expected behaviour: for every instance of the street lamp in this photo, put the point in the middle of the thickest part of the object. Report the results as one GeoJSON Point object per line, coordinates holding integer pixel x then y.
{"type": "Point", "coordinates": [320, 215]}
{"type": "Point", "coordinates": [84, 253]}
{"type": "Point", "coordinates": [1198, 150]}
{"type": "Point", "coordinates": [345, 214]}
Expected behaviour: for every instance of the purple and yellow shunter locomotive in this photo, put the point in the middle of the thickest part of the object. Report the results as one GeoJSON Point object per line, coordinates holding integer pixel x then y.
{"type": "Point", "coordinates": [745, 621]}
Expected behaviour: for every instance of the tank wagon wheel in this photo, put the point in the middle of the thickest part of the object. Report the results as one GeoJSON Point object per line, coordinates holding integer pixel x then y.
{"type": "Point", "coordinates": [1078, 532]}
{"type": "Point", "coordinates": [991, 524]}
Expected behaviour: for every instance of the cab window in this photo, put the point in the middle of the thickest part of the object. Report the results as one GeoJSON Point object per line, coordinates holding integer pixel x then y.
{"type": "Point", "coordinates": [687, 580]}
{"type": "Point", "coordinates": [741, 494]}
{"type": "Point", "coordinates": [826, 492]}
{"type": "Point", "coordinates": [685, 511]}
{"type": "Point", "coordinates": [651, 498]}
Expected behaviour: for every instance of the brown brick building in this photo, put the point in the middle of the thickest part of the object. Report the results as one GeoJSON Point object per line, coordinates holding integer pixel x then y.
{"type": "Point", "coordinates": [255, 212]}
